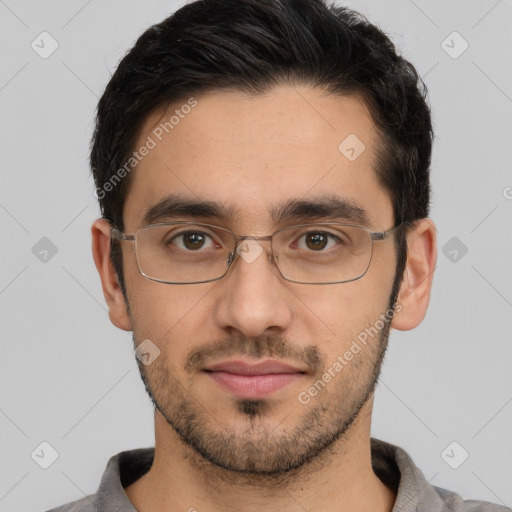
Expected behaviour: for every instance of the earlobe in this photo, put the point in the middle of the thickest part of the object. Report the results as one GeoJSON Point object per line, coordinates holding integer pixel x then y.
{"type": "Point", "coordinates": [117, 307]}
{"type": "Point", "coordinates": [414, 295]}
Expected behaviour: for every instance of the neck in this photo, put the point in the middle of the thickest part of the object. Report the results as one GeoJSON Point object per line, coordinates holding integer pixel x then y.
{"type": "Point", "coordinates": [341, 478]}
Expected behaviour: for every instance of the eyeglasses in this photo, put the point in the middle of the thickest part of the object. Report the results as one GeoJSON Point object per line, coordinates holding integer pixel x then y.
{"type": "Point", "coordinates": [187, 252]}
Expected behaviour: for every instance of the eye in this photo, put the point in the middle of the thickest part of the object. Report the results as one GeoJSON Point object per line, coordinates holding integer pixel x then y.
{"type": "Point", "coordinates": [192, 241]}
{"type": "Point", "coordinates": [317, 241]}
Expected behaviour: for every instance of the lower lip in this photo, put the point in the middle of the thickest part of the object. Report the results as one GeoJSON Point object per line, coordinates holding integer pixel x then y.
{"type": "Point", "coordinates": [253, 386]}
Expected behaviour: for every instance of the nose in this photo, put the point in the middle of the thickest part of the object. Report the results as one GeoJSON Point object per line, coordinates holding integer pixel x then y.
{"type": "Point", "coordinates": [253, 297]}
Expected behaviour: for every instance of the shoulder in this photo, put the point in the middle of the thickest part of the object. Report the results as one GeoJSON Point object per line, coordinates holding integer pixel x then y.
{"type": "Point", "coordinates": [455, 503]}
{"type": "Point", "coordinates": [394, 466]}
{"type": "Point", "coordinates": [85, 504]}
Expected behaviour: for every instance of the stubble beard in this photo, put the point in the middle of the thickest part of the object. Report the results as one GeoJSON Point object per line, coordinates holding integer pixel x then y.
{"type": "Point", "coordinates": [264, 447]}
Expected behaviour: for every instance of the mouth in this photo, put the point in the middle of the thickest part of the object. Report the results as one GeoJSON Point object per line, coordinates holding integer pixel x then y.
{"type": "Point", "coordinates": [254, 381]}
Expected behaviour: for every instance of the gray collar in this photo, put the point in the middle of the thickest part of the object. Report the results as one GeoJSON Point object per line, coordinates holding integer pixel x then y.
{"type": "Point", "coordinates": [390, 463]}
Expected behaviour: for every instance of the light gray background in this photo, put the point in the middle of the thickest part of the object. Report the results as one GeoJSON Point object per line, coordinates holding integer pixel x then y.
{"type": "Point", "coordinates": [68, 377]}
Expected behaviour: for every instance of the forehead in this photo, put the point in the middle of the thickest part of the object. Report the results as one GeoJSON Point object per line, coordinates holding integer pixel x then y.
{"type": "Point", "coordinates": [253, 153]}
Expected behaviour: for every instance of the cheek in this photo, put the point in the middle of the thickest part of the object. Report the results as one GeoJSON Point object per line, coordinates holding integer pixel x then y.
{"type": "Point", "coordinates": [348, 303]}
{"type": "Point", "coordinates": [341, 312]}
{"type": "Point", "coordinates": [172, 316]}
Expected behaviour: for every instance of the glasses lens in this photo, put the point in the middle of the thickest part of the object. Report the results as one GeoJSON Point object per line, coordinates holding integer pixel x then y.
{"type": "Point", "coordinates": [323, 253]}
{"type": "Point", "coordinates": [192, 253]}
{"type": "Point", "coordinates": [183, 252]}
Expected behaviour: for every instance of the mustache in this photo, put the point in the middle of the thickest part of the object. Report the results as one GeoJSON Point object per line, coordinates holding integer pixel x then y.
{"type": "Point", "coordinates": [269, 346]}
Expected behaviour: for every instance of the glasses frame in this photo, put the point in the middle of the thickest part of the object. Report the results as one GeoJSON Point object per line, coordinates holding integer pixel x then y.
{"type": "Point", "coordinates": [117, 235]}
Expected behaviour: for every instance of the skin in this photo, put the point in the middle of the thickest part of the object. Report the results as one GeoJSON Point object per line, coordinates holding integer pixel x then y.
{"type": "Point", "coordinates": [252, 153]}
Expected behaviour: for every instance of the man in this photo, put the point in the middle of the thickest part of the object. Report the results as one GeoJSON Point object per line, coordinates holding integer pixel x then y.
{"type": "Point", "coordinates": [262, 168]}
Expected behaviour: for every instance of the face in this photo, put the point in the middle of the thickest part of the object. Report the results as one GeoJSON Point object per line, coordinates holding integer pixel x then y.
{"type": "Point", "coordinates": [256, 373]}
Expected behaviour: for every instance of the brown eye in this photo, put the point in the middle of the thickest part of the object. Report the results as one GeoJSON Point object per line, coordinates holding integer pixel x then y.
{"type": "Point", "coordinates": [192, 240]}
{"type": "Point", "coordinates": [316, 241]}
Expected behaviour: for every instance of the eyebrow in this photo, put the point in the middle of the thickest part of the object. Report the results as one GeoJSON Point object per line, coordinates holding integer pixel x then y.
{"type": "Point", "coordinates": [296, 209]}
{"type": "Point", "coordinates": [174, 205]}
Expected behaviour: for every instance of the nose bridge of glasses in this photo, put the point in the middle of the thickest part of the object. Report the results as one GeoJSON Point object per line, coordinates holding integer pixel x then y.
{"type": "Point", "coordinates": [242, 251]}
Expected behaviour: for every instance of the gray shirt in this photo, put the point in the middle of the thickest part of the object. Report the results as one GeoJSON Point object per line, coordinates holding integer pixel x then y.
{"type": "Point", "coordinates": [390, 463]}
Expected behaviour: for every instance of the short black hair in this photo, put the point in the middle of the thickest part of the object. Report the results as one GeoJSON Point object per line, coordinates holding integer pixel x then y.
{"type": "Point", "coordinates": [251, 46]}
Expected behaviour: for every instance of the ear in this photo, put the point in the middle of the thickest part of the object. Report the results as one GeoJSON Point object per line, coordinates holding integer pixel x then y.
{"type": "Point", "coordinates": [414, 295]}
{"type": "Point", "coordinates": [117, 307]}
